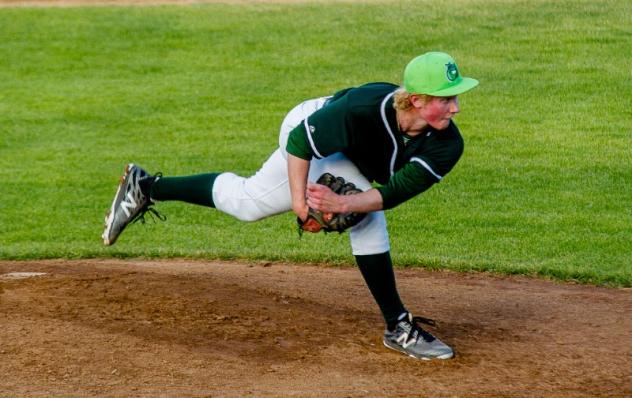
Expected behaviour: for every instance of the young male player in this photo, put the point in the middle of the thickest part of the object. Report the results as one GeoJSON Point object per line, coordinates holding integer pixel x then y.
{"type": "Point", "coordinates": [403, 138]}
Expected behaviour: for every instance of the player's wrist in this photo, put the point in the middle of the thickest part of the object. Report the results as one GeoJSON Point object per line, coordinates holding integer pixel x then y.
{"type": "Point", "coordinates": [344, 204]}
{"type": "Point", "coordinates": [300, 210]}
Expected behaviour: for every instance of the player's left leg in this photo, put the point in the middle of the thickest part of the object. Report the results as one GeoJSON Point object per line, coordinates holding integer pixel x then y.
{"type": "Point", "coordinates": [370, 246]}
{"type": "Point", "coordinates": [247, 198]}
{"type": "Point", "coordinates": [403, 331]}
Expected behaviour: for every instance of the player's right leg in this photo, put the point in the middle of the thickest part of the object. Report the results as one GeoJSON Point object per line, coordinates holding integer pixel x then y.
{"type": "Point", "coordinates": [261, 195]}
{"type": "Point", "coordinates": [249, 199]}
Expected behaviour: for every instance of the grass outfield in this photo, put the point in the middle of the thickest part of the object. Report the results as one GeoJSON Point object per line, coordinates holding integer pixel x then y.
{"type": "Point", "coordinates": [542, 189]}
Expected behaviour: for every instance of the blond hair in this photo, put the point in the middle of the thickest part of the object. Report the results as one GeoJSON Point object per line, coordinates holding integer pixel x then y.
{"type": "Point", "coordinates": [401, 99]}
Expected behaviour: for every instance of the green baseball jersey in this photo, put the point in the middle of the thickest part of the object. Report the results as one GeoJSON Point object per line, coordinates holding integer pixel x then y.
{"type": "Point", "coordinates": [361, 123]}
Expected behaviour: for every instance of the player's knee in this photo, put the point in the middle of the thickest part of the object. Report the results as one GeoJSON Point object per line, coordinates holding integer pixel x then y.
{"type": "Point", "coordinates": [250, 216]}
{"type": "Point", "coordinates": [370, 236]}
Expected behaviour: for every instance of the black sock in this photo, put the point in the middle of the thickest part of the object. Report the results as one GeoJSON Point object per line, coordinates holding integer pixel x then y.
{"type": "Point", "coordinates": [196, 189]}
{"type": "Point", "coordinates": [377, 270]}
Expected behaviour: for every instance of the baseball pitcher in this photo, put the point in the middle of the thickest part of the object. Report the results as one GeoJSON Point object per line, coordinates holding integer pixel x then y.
{"type": "Point", "coordinates": [331, 150]}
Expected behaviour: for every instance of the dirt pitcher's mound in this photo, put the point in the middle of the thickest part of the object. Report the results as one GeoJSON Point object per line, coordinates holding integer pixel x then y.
{"type": "Point", "coordinates": [177, 328]}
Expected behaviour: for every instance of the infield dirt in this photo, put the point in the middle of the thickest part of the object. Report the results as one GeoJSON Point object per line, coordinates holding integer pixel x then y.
{"type": "Point", "coordinates": [177, 328]}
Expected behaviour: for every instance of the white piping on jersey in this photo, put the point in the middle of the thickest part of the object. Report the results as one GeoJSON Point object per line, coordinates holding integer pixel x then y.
{"type": "Point", "coordinates": [388, 128]}
{"type": "Point", "coordinates": [311, 140]}
{"type": "Point", "coordinates": [426, 166]}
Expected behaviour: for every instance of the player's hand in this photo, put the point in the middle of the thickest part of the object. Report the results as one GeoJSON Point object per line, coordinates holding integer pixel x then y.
{"type": "Point", "coordinates": [327, 201]}
{"type": "Point", "coordinates": [321, 197]}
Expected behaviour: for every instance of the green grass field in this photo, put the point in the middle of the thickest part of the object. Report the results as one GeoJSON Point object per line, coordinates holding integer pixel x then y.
{"type": "Point", "coordinates": [544, 186]}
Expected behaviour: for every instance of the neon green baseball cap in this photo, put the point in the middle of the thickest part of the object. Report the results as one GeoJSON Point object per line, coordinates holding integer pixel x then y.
{"type": "Point", "coordinates": [436, 73]}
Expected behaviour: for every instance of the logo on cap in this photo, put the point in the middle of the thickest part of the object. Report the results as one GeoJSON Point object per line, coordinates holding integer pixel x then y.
{"type": "Point", "coordinates": [451, 72]}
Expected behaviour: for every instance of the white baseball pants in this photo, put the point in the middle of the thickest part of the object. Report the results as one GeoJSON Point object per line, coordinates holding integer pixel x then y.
{"type": "Point", "coordinates": [267, 192]}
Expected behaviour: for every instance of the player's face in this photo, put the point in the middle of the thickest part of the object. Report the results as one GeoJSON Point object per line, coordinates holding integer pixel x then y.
{"type": "Point", "coordinates": [439, 110]}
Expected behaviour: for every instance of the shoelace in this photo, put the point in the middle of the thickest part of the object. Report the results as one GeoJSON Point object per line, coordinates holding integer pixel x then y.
{"type": "Point", "coordinates": [417, 320]}
{"type": "Point", "coordinates": [152, 212]}
{"type": "Point", "coordinates": [145, 186]}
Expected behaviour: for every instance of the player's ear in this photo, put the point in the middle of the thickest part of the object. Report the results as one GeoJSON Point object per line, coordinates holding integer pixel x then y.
{"type": "Point", "coordinates": [418, 101]}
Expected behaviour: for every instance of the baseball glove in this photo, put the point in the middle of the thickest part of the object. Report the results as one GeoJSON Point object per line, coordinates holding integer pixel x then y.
{"type": "Point", "coordinates": [319, 221]}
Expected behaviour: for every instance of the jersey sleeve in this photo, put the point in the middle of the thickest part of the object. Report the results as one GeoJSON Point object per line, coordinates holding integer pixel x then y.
{"type": "Point", "coordinates": [406, 183]}
{"type": "Point", "coordinates": [439, 159]}
{"type": "Point", "coordinates": [297, 144]}
{"type": "Point", "coordinates": [322, 133]}
{"type": "Point", "coordinates": [423, 170]}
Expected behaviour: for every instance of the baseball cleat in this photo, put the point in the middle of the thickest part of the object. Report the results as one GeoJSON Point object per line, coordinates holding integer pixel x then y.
{"type": "Point", "coordinates": [130, 203]}
{"type": "Point", "coordinates": [409, 338]}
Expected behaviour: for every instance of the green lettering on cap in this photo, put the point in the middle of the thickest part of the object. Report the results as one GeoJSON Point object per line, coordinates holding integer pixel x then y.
{"type": "Point", "coordinates": [451, 72]}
